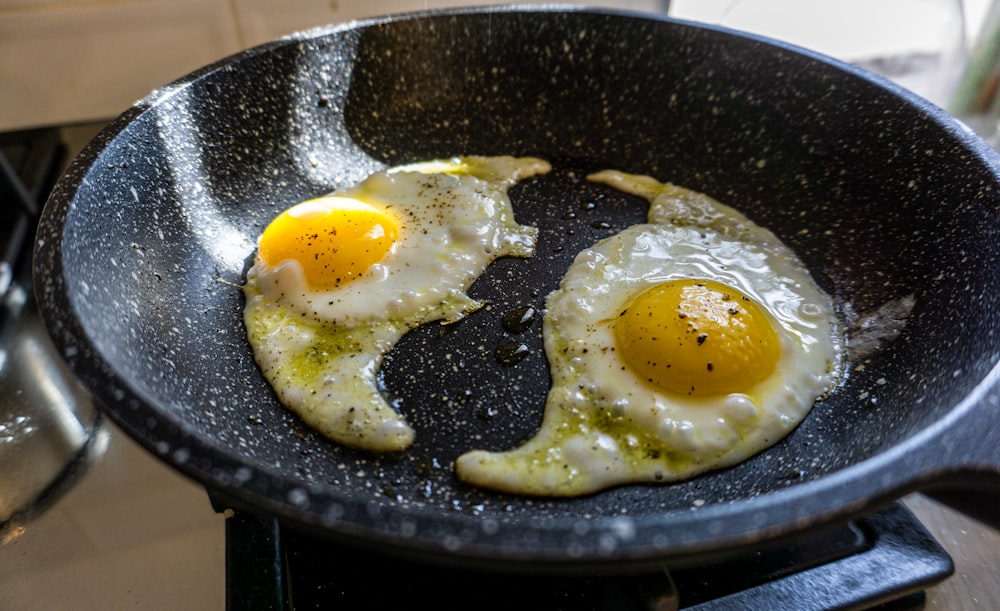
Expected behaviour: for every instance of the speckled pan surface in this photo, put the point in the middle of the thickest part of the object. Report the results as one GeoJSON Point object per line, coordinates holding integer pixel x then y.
{"type": "Point", "coordinates": [143, 246]}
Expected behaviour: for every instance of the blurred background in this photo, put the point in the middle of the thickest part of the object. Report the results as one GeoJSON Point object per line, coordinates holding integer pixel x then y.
{"type": "Point", "coordinates": [69, 61]}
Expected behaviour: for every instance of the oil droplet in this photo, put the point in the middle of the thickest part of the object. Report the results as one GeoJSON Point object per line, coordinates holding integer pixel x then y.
{"type": "Point", "coordinates": [520, 319]}
{"type": "Point", "coordinates": [487, 413]}
{"type": "Point", "coordinates": [510, 353]}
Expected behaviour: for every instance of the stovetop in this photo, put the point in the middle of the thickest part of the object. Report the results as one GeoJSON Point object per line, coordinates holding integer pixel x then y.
{"type": "Point", "coordinates": [886, 558]}
{"type": "Point", "coordinates": [121, 529]}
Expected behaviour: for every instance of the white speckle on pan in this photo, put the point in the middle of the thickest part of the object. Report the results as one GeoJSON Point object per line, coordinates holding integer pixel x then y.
{"type": "Point", "coordinates": [623, 528]}
{"type": "Point", "coordinates": [242, 475]}
{"type": "Point", "coordinates": [181, 455]}
{"type": "Point", "coordinates": [298, 497]}
{"type": "Point", "coordinates": [333, 513]}
{"type": "Point", "coordinates": [660, 540]}
{"type": "Point", "coordinates": [607, 542]}
{"type": "Point", "coordinates": [490, 526]}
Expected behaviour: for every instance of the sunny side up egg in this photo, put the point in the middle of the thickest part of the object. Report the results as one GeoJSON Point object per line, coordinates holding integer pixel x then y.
{"type": "Point", "coordinates": [686, 344]}
{"type": "Point", "coordinates": [337, 281]}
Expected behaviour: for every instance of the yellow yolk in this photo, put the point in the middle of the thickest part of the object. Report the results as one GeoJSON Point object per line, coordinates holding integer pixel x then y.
{"type": "Point", "coordinates": [697, 337]}
{"type": "Point", "coordinates": [334, 239]}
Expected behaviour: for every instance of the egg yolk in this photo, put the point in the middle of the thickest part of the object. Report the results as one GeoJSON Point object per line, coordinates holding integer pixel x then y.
{"type": "Point", "coordinates": [334, 239]}
{"type": "Point", "coordinates": [697, 337]}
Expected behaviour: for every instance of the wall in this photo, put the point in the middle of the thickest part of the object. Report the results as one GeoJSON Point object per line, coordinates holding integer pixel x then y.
{"type": "Point", "coordinates": [68, 61]}
{"type": "Point", "coordinates": [71, 61]}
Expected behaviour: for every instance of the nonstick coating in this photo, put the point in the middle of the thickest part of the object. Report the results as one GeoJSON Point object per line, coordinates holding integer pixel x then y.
{"type": "Point", "coordinates": [143, 246]}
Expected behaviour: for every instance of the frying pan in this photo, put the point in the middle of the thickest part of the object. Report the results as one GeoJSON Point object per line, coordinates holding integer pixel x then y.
{"type": "Point", "coordinates": [890, 202]}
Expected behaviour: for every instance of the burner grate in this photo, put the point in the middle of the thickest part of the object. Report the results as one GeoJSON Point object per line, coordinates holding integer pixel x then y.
{"type": "Point", "coordinates": [885, 558]}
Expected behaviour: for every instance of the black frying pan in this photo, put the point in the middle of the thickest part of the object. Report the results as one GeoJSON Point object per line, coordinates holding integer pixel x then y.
{"type": "Point", "coordinates": [143, 245]}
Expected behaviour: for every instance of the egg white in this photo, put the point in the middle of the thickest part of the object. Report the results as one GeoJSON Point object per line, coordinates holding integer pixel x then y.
{"type": "Point", "coordinates": [321, 349]}
{"type": "Point", "coordinates": [602, 424]}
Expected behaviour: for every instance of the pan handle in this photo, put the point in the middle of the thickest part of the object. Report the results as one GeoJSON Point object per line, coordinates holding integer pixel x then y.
{"type": "Point", "coordinates": [965, 461]}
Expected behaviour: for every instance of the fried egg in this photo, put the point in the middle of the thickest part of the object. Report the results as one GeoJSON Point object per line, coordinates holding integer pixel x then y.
{"type": "Point", "coordinates": [337, 281]}
{"type": "Point", "coordinates": [685, 344]}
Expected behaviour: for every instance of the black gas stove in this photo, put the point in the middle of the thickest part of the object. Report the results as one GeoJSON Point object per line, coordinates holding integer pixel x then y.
{"type": "Point", "coordinates": [882, 561]}
{"type": "Point", "coordinates": [885, 560]}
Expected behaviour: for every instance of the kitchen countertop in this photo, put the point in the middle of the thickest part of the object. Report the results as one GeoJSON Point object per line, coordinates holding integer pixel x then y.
{"type": "Point", "coordinates": [131, 534]}
{"type": "Point", "coordinates": [975, 549]}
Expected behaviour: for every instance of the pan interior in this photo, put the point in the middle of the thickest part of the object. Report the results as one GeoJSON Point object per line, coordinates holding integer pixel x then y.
{"type": "Point", "coordinates": [879, 199]}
